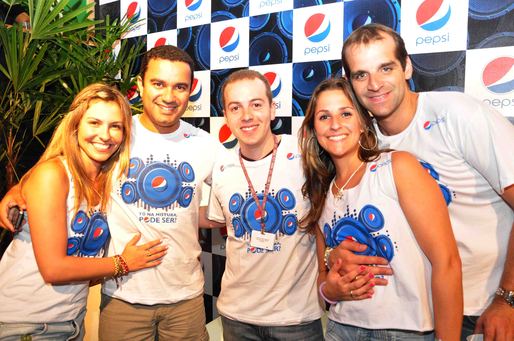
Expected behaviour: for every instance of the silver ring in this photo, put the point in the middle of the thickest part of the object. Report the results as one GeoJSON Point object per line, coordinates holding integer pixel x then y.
{"type": "Point", "coordinates": [351, 293]}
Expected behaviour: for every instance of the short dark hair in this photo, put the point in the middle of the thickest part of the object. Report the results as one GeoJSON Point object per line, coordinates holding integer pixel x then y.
{"type": "Point", "coordinates": [166, 52]}
{"type": "Point", "coordinates": [373, 32]}
{"type": "Point", "coordinates": [246, 74]}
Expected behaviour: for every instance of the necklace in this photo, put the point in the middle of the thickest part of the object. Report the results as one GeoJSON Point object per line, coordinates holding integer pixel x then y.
{"type": "Point", "coordinates": [340, 191]}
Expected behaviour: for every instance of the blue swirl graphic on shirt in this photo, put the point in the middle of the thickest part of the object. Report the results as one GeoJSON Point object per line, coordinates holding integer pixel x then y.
{"type": "Point", "coordinates": [90, 235]}
{"type": "Point", "coordinates": [447, 193]}
{"type": "Point", "coordinates": [246, 215]}
{"type": "Point", "coordinates": [362, 230]}
{"type": "Point", "coordinates": [158, 184]}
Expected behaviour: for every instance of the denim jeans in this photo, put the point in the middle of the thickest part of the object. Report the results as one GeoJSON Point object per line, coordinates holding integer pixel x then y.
{"type": "Point", "coordinates": [62, 331]}
{"type": "Point", "coordinates": [468, 326]}
{"type": "Point", "coordinates": [339, 332]}
{"type": "Point", "coordinates": [240, 331]}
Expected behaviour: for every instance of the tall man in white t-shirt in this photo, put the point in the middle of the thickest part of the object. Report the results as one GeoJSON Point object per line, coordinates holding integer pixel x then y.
{"type": "Point", "coordinates": [268, 290]}
{"type": "Point", "coordinates": [469, 148]}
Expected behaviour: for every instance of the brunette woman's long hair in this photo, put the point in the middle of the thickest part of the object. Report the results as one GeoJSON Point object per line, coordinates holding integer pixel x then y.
{"type": "Point", "coordinates": [317, 165]}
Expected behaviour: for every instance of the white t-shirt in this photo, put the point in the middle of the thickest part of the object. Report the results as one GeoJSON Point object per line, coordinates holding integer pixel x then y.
{"type": "Point", "coordinates": [160, 198]}
{"type": "Point", "coordinates": [24, 295]}
{"type": "Point", "coordinates": [260, 286]}
{"type": "Point", "coordinates": [370, 213]}
{"type": "Point", "coordinates": [469, 147]}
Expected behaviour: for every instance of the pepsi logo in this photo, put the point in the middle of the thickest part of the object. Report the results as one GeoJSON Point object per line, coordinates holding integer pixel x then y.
{"type": "Point", "coordinates": [373, 168]}
{"type": "Point", "coordinates": [371, 217]}
{"type": "Point", "coordinates": [290, 156]}
{"type": "Point", "coordinates": [193, 5]}
{"type": "Point", "coordinates": [226, 137]}
{"type": "Point", "coordinates": [187, 135]}
{"type": "Point", "coordinates": [160, 42]}
{"type": "Point", "coordinates": [229, 39]}
{"type": "Point", "coordinates": [159, 184]}
{"type": "Point", "coordinates": [260, 215]}
{"type": "Point", "coordinates": [430, 124]}
{"type": "Point", "coordinates": [433, 14]}
{"type": "Point", "coordinates": [98, 233]}
{"type": "Point", "coordinates": [274, 82]}
{"type": "Point", "coordinates": [133, 11]}
{"type": "Point", "coordinates": [498, 75]}
{"type": "Point", "coordinates": [317, 27]}
{"type": "Point", "coordinates": [196, 90]}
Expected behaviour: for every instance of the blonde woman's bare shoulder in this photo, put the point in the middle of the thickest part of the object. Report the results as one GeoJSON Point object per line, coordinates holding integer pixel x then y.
{"type": "Point", "coordinates": [47, 175]}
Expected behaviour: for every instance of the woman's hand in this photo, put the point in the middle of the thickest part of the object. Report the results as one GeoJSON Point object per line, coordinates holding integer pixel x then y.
{"type": "Point", "coordinates": [355, 285]}
{"type": "Point", "coordinates": [143, 256]}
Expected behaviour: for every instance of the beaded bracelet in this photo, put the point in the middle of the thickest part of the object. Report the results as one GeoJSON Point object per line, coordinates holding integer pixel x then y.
{"type": "Point", "coordinates": [124, 265]}
{"type": "Point", "coordinates": [120, 266]}
{"type": "Point", "coordinates": [321, 286]}
{"type": "Point", "coordinates": [117, 267]}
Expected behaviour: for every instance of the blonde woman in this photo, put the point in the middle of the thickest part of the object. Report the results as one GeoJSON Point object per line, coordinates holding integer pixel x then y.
{"type": "Point", "coordinates": [47, 268]}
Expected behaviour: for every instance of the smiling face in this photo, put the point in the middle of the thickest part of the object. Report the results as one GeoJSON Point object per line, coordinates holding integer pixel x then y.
{"type": "Point", "coordinates": [248, 113]}
{"type": "Point", "coordinates": [378, 79]}
{"type": "Point", "coordinates": [337, 124]}
{"type": "Point", "coordinates": [165, 94]}
{"type": "Point", "coordinates": [100, 133]}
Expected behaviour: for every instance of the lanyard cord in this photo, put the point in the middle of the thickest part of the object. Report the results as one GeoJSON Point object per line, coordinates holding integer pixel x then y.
{"type": "Point", "coordinates": [260, 207]}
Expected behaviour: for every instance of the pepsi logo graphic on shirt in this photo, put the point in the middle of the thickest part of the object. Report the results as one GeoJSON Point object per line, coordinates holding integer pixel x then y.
{"type": "Point", "coordinates": [158, 184]}
{"type": "Point", "coordinates": [364, 230]}
{"type": "Point", "coordinates": [317, 28]}
{"type": "Point", "coordinates": [291, 156]}
{"type": "Point", "coordinates": [277, 217]}
{"type": "Point", "coordinates": [90, 235]}
{"type": "Point", "coordinates": [429, 124]}
{"type": "Point", "coordinates": [432, 15]}
{"type": "Point", "coordinates": [375, 166]}
{"type": "Point", "coordinates": [498, 75]}
{"type": "Point", "coordinates": [229, 39]}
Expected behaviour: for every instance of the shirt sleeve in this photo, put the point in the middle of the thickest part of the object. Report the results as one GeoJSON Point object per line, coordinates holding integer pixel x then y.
{"type": "Point", "coordinates": [215, 209]}
{"type": "Point", "coordinates": [486, 140]}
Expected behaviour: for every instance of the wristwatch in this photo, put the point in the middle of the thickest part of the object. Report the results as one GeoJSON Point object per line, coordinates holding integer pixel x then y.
{"type": "Point", "coordinates": [507, 295]}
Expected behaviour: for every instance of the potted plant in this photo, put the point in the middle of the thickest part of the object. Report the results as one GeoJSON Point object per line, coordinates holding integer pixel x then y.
{"type": "Point", "coordinates": [44, 67]}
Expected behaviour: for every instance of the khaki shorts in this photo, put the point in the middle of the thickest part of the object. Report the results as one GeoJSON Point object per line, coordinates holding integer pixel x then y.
{"type": "Point", "coordinates": [183, 320]}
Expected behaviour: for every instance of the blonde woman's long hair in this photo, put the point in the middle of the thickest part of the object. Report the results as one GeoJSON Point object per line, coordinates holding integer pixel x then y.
{"type": "Point", "coordinates": [64, 143]}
